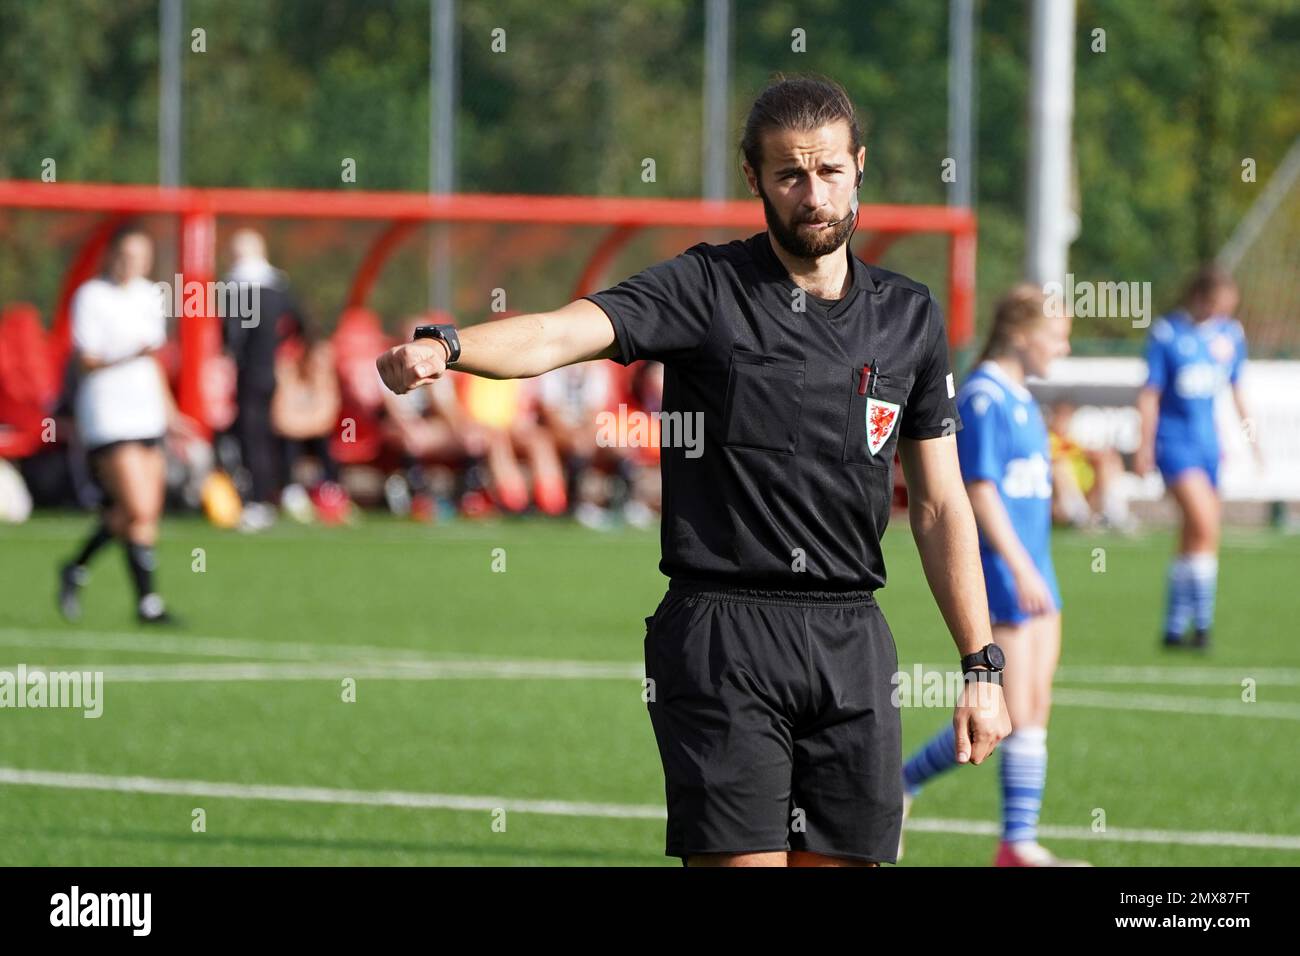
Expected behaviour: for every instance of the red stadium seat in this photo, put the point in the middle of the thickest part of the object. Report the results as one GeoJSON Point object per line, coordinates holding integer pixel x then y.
{"type": "Point", "coordinates": [29, 381]}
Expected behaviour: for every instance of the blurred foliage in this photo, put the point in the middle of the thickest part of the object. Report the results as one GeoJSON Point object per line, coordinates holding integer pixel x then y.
{"type": "Point", "coordinates": [585, 89]}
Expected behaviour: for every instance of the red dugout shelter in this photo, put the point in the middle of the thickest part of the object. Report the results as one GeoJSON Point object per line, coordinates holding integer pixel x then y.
{"type": "Point", "coordinates": [487, 230]}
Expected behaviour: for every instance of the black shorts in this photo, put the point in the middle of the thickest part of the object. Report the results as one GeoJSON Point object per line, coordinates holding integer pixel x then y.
{"type": "Point", "coordinates": [95, 455]}
{"type": "Point", "coordinates": [774, 716]}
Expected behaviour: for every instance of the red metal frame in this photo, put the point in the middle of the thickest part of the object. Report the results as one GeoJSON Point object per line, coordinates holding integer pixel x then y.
{"type": "Point", "coordinates": [83, 267]}
{"type": "Point", "coordinates": [198, 209]}
{"type": "Point", "coordinates": [378, 253]}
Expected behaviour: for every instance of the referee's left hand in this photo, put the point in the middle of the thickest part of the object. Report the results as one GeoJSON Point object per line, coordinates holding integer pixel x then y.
{"type": "Point", "coordinates": [412, 364]}
{"type": "Point", "coordinates": [980, 721]}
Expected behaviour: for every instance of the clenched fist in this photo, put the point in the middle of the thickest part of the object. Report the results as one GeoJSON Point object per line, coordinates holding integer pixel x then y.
{"type": "Point", "coordinates": [413, 364]}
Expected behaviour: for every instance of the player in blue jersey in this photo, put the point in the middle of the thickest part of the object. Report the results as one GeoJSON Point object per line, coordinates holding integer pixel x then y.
{"type": "Point", "coordinates": [1191, 353]}
{"type": "Point", "coordinates": [1006, 464]}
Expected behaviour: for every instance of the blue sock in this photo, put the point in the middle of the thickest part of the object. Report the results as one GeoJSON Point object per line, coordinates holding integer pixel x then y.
{"type": "Point", "coordinates": [1178, 612]}
{"type": "Point", "coordinates": [1204, 576]}
{"type": "Point", "coordinates": [937, 755]}
{"type": "Point", "coordinates": [1024, 773]}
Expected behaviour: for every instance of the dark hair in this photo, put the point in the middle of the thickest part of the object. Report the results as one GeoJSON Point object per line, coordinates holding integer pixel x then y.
{"type": "Point", "coordinates": [129, 228]}
{"type": "Point", "coordinates": [800, 102]}
{"type": "Point", "coordinates": [1205, 281]}
{"type": "Point", "coordinates": [120, 235]}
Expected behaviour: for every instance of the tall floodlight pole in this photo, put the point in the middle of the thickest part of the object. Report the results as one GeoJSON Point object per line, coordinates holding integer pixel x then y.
{"type": "Point", "coordinates": [171, 24]}
{"type": "Point", "coordinates": [962, 101]}
{"type": "Point", "coordinates": [442, 140]}
{"type": "Point", "coordinates": [170, 16]}
{"type": "Point", "coordinates": [1052, 223]}
{"type": "Point", "coordinates": [717, 81]}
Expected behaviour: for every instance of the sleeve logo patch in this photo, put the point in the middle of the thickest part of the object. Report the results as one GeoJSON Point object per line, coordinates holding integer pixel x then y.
{"type": "Point", "coordinates": [951, 389]}
{"type": "Point", "coordinates": [881, 417]}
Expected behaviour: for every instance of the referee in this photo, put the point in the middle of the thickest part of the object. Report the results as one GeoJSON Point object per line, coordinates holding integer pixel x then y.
{"type": "Point", "coordinates": [769, 664]}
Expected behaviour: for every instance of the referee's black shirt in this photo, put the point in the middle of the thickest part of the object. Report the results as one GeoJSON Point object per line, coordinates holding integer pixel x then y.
{"type": "Point", "coordinates": [786, 492]}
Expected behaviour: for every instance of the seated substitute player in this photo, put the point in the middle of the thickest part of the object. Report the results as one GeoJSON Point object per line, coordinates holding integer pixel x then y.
{"type": "Point", "coordinates": [1191, 353]}
{"type": "Point", "coordinates": [569, 402]}
{"type": "Point", "coordinates": [1005, 460]}
{"type": "Point", "coordinates": [769, 664]}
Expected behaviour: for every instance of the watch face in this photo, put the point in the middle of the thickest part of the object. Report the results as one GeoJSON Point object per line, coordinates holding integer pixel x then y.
{"type": "Point", "coordinates": [996, 657]}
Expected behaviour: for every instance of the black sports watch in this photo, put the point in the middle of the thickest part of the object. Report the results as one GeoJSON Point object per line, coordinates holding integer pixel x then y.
{"type": "Point", "coordinates": [445, 332]}
{"type": "Point", "coordinates": [990, 656]}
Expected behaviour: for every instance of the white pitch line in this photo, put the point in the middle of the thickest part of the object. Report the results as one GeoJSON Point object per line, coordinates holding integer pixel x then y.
{"type": "Point", "coordinates": [1225, 675]}
{"type": "Point", "coordinates": [1118, 674]}
{"type": "Point", "coordinates": [1105, 700]}
{"type": "Point", "coordinates": [331, 795]}
{"type": "Point", "coordinates": [199, 646]}
{"type": "Point", "coordinates": [244, 648]}
{"type": "Point", "coordinates": [582, 670]}
{"type": "Point", "coordinates": [328, 670]}
{"type": "Point", "coordinates": [14, 776]}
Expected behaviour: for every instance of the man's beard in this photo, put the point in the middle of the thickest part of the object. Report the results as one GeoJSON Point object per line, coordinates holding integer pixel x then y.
{"type": "Point", "coordinates": [802, 244]}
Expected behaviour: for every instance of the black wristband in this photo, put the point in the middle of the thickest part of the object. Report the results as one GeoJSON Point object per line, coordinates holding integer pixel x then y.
{"type": "Point", "coordinates": [446, 334]}
{"type": "Point", "coordinates": [990, 656]}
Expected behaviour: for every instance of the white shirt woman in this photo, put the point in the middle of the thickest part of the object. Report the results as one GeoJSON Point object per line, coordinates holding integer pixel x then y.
{"type": "Point", "coordinates": [122, 400]}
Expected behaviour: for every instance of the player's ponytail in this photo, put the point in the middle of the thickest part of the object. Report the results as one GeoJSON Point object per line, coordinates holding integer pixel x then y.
{"type": "Point", "coordinates": [1019, 310]}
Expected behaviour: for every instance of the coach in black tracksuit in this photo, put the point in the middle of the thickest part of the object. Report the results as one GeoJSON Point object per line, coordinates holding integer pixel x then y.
{"type": "Point", "coordinates": [770, 665]}
{"type": "Point", "coordinates": [252, 340]}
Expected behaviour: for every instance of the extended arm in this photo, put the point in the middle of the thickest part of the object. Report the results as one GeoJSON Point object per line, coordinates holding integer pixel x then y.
{"type": "Point", "coordinates": [521, 346]}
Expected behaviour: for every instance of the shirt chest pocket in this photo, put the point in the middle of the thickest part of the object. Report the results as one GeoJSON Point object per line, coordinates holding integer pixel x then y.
{"type": "Point", "coordinates": [874, 418]}
{"type": "Point", "coordinates": [764, 402]}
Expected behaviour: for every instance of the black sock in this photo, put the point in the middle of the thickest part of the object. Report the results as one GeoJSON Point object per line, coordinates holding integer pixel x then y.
{"type": "Point", "coordinates": [140, 560]}
{"type": "Point", "coordinates": [575, 468]}
{"type": "Point", "coordinates": [417, 480]}
{"type": "Point", "coordinates": [624, 483]}
{"type": "Point", "coordinates": [472, 475]}
{"type": "Point", "coordinates": [100, 537]}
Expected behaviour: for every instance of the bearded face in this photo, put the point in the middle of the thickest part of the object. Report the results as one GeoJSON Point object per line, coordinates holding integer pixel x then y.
{"type": "Point", "coordinates": [808, 184]}
{"type": "Point", "coordinates": [806, 235]}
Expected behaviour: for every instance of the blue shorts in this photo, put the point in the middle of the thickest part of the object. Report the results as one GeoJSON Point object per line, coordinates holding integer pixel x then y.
{"type": "Point", "coordinates": [1004, 601]}
{"type": "Point", "coordinates": [1175, 457]}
